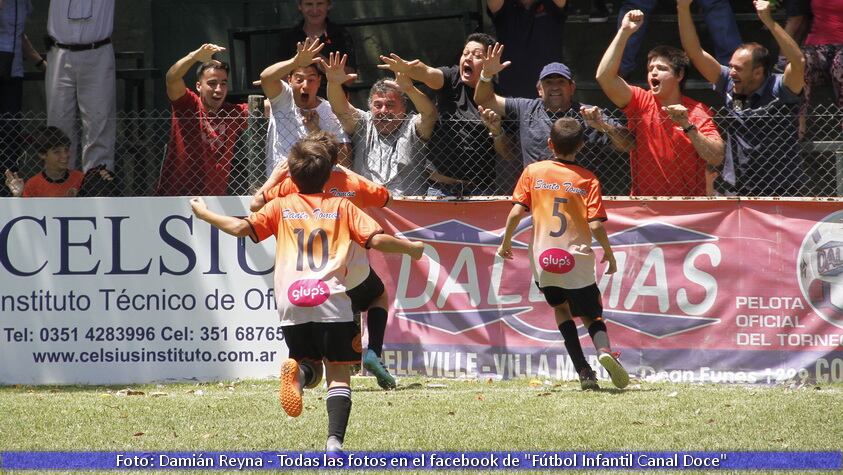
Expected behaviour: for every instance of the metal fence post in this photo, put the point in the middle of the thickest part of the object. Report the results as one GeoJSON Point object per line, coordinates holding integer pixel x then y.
{"type": "Point", "coordinates": [255, 139]}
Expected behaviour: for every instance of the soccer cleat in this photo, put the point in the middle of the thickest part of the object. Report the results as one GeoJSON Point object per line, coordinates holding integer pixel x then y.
{"type": "Point", "coordinates": [618, 375]}
{"type": "Point", "coordinates": [588, 379]}
{"type": "Point", "coordinates": [290, 395]}
{"type": "Point", "coordinates": [374, 366]}
{"type": "Point", "coordinates": [333, 445]}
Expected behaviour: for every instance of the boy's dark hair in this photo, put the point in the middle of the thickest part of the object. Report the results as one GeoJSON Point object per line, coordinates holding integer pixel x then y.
{"type": "Point", "coordinates": [51, 137]}
{"type": "Point", "coordinates": [566, 135]}
{"type": "Point", "coordinates": [677, 59]}
{"type": "Point", "coordinates": [310, 165]}
{"type": "Point", "coordinates": [482, 38]}
{"type": "Point", "coordinates": [212, 64]}
{"type": "Point", "coordinates": [760, 56]}
{"type": "Point", "coordinates": [329, 140]}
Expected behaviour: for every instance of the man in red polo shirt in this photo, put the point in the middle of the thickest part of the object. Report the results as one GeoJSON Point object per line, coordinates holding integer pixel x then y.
{"type": "Point", "coordinates": [203, 129]}
{"type": "Point", "coordinates": [675, 136]}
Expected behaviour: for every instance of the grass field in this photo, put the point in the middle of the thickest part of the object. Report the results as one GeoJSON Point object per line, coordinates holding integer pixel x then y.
{"type": "Point", "coordinates": [424, 414]}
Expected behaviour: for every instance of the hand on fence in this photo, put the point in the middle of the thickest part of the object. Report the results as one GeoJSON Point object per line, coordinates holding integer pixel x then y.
{"type": "Point", "coordinates": [594, 118]}
{"type": "Point", "coordinates": [632, 21]}
{"type": "Point", "coordinates": [310, 120]}
{"type": "Point", "coordinates": [678, 114]}
{"type": "Point", "coordinates": [492, 61]}
{"type": "Point", "coordinates": [491, 120]}
{"type": "Point", "coordinates": [397, 64]}
{"type": "Point", "coordinates": [307, 52]}
{"type": "Point", "coordinates": [14, 183]}
{"type": "Point", "coordinates": [334, 68]}
{"type": "Point", "coordinates": [206, 52]}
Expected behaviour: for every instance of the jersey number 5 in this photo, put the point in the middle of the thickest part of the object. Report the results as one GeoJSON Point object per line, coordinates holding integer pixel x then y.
{"type": "Point", "coordinates": [557, 211]}
{"type": "Point", "coordinates": [300, 240]}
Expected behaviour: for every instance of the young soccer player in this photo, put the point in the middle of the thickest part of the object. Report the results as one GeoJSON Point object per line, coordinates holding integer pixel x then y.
{"type": "Point", "coordinates": [567, 209]}
{"type": "Point", "coordinates": [319, 242]}
{"type": "Point", "coordinates": [370, 294]}
{"type": "Point", "coordinates": [57, 179]}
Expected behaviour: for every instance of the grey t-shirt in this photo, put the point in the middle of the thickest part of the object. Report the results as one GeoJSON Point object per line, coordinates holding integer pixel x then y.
{"type": "Point", "coordinates": [395, 161]}
{"type": "Point", "coordinates": [534, 123]}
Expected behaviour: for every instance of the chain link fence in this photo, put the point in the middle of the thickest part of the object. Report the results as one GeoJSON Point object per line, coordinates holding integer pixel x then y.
{"type": "Point", "coordinates": [770, 154]}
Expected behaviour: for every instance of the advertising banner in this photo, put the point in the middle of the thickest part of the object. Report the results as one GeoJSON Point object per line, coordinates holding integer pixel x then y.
{"type": "Point", "coordinates": [128, 290]}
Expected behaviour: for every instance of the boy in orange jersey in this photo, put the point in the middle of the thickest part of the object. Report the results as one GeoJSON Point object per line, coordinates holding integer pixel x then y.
{"type": "Point", "coordinates": [368, 295]}
{"type": "Point", "coordinates": [567, 209]}
{"type": "Point", "coordinates": [319, 242]}
{"type": "Point", "coordinates": [56, 179]}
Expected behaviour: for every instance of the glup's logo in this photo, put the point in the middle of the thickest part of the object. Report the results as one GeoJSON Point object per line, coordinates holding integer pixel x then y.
{"type": "Point", "coordinates": [556, 261]}
{"type": "Point", "coordinates": [308, 293]}
{"type": "Point", "coordinates": [820, 268]}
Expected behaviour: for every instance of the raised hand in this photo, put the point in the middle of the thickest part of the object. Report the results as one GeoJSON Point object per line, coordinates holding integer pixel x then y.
{"type": "Point", "coordinates": [492, 61]}
{"type": "Point", "coordinates": [334, 68]}
{"type": "Point", "coordinates": [404, 82]}
{"type": "Point", "coordinates": [14, 182]}
{"type": "Point", "coordinates": [206, 52]}
{"type": "Point", "coordinates": [678, 114]}
{"type": "Point", "coordinates": [491, 120]}
{"type": "Point", "coordinates": [397, 64]}
{"type": "Point", "coordinates": [684, 3]}
{"type": "Point", "coordinates": [632, 21]}
{"type": "Point", "coordinates": [594, 118]}
{"type": "Point", "coordinates": [307, 51]}
{"type": "Point", "coordinates": [762, 7]}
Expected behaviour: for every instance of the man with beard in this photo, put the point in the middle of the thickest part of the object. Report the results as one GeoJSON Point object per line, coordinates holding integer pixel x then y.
{"type": "Point", "coordinates": [535, 117]}
{"type": "Point", "coordinates": [762, 146]}
{"type": "Point", "coordinates": [461, 150]}
{"type": "Point", "coordinates": [296, 108]}
{"type": "Point", "coordinates": [675, 136]}
{"type": "Point", "coordinates": [387, 140]}
{"type": "Point", "coordinates": [203, 130]}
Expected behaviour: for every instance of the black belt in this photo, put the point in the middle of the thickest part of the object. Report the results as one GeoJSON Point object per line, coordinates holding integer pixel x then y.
{"type": "Point", "coordinates": [84, 47]}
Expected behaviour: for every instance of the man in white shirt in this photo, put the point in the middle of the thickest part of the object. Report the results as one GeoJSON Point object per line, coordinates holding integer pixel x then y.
{"type": "Point", "coordinates": [291, 87]}
{"type": "Point", "coordinates": [80, 74]}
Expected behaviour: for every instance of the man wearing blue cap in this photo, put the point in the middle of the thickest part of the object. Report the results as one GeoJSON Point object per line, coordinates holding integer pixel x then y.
{"type": "Point", "coordinates": [535, 117]}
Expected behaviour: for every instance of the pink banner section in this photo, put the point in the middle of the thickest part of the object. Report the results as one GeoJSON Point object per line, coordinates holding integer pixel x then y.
{"type": "Point", "coordinates": [708, 290]}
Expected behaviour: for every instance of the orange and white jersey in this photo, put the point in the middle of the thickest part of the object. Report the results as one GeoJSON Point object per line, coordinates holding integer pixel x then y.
{"type": "Point", "coordinates": [563, 199]}
{"type": "Point", "coordinates": [318, 239]}
{"type": "Point", "coordinates": [342, 183]}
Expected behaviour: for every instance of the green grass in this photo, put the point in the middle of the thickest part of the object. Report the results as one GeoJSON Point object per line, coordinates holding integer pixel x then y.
{"type": "Point", "coordinates": [424, 415]}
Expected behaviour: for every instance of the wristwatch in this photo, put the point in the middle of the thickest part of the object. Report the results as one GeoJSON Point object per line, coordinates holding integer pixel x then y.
{"type": "Point", "coordinates": [689, 128]}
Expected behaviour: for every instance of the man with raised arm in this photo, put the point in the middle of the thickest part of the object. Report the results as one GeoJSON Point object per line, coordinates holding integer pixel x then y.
{"type": "Point", "coordinates": [291, 87]}
{"type": "Point", "coordinates": [204, 128]}
{"type": "Point", "coordinates": [675, 136]}
{"type": "Point", "coordinates": [387, 140]}
{"type": "Point", "coordinates": [463, 146]}
{"type": "Point", "coordinates": [762, 147]}
{"type": "Point", "coordinates": [535, 117]}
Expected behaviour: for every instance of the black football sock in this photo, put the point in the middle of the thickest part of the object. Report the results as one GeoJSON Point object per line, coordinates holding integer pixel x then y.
{"type": "Point", "coordinates": [339, 409]}
{"type": "Point", "coordinates": [568, 329]}
{"type": "Point", "coordinates": [376, 325]}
